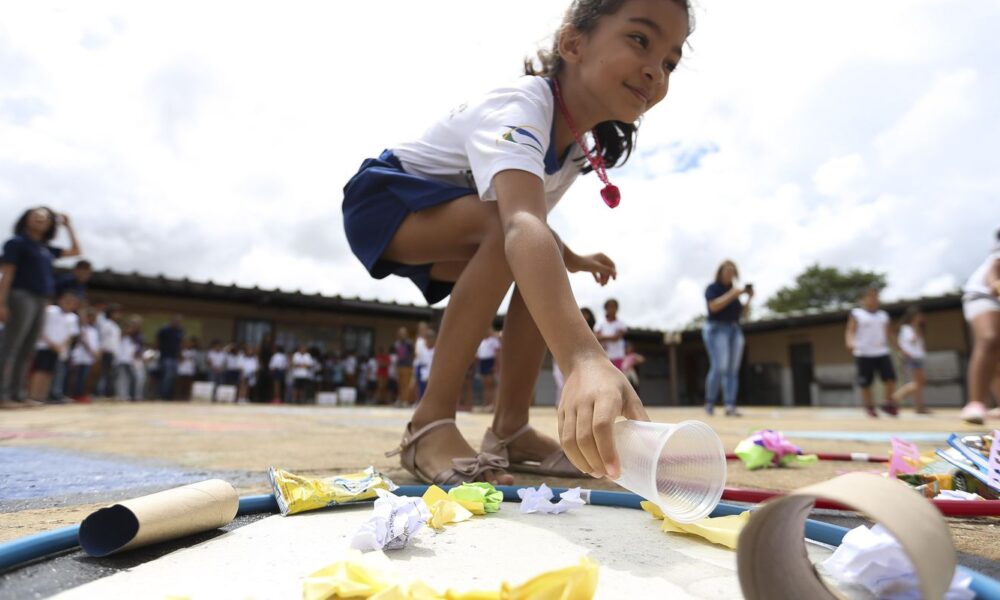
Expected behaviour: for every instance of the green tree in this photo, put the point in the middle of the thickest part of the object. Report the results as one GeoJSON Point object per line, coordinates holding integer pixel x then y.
{"type": "Point", "coordinates": [824, 288]}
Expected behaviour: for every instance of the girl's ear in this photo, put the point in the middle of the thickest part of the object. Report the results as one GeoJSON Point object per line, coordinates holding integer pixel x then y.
{"type": "Point", "coordinates": [570, 44]}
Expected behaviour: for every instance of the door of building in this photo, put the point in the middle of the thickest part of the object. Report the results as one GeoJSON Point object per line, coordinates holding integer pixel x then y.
{"type": "Point", "coordinates": [801, 359]}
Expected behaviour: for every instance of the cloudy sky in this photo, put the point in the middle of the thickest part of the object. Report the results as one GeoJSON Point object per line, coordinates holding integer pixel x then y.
{"type": "Point", "coordinates": [212, 140]}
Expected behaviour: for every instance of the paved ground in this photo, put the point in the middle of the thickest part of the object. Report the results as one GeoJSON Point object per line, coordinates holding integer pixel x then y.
{"type": "Point", "coordinates": [58, 463]}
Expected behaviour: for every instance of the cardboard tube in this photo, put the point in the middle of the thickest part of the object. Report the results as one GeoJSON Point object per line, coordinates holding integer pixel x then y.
{"type": "Point", "coordinates": [771, 554]}
{"type": "Point", "coordinates": [162, 516]}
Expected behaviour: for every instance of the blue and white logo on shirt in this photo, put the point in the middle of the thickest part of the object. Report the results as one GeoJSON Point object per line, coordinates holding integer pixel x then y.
{"type": "Point", "coordinates": [524, 135]}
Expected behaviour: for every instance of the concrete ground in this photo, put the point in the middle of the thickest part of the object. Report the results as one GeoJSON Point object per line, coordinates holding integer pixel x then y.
{"type": "Point", "coordinates": [59, 463]}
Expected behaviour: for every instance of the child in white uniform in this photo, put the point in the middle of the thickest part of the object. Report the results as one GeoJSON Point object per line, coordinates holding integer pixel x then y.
{"type": "Point", "coordinates": [981, 305]}
{"type": "Point", "coordinates": [867, 338]}
{"type": "Point", "coordinates": [462, 211]}
{"type": "Point", "coordinates": [911, 344]}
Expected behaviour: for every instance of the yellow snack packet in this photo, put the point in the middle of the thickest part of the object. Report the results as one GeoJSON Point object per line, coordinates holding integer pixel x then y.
{"type": "Point", "coordinates": [295, 493]}
{"type": "Point", "coordinates": [718, 530]}
{"type": "Point", "coordinates": [367, 576]}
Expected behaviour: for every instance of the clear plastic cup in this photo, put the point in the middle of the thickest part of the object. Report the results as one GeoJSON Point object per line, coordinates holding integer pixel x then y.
{"type": "Point", "coordinates": [679, 467]}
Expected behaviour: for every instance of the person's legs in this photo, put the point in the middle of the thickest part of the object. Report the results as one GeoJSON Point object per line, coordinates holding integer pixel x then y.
{"type": "Point", "coordinates": [25, 315]}
{"type": "Point", "coordinates": [731, 377]}
{"type": "Point", "coordinates": [168, 376]}
{"type": "Point", "coordinates": [866, 374]}
{"type": "Point", "coordinates": [718, 355]}
{"type": "Point", "coordinates": [465, 229]}
{"type": "Point", "coordinates": [982, 363]}
{"type": "Point", "coordinates": [887, 373]}
{"type": "Point", "coordinates": [521, 355]}
{"type": "Point", "coordinates": [105, 386]}
{"type": "Point", "coordinates": [919, 382]}
{"type": "Point", "coordinates": [489, 390]}
{"type": "Point", "coordinates": [59, 378]}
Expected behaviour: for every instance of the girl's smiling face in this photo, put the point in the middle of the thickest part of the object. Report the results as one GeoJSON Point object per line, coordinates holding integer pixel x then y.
{"type": "Point", "coordinates": [625, 62]}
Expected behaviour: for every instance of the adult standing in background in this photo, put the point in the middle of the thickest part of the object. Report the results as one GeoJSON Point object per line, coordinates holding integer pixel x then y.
{"type": "Point", "coordinates": [27, 283]}
{"type": "Point", "coordinates": [981, 307]}
{"type": "Point", "coordinates": [723, 337]}
{"type": "Point", "coordinates": [403, 349]}
{"type": "Point", "coordinates": [76, 280]}
{"type": "Point", "coordinates": [168, 340]}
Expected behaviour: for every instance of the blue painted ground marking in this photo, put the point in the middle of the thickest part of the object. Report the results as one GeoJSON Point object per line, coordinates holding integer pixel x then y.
{"type": "Point", "coordinates": [875, 437]}
{"type": "Point", "coordinates": [31, 473]}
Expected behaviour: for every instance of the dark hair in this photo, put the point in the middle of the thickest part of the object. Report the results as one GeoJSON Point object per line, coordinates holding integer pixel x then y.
{"type": "Point", "coordinates": [610, 301]}
{"type": "Point", "coordinates": [723, 265]}
{"type": "Point", "coordinates": [83, 264]}
{"type": "Point", "coordinates": [588, 316]}
{"type": "Point", "coordinates": [111, 308]}
{"type": "Point", "coordinates": [22, 224]}
{"type": "Point", "coordinates": [616, 139]}
{"type": "Point", "coordinates": [911, 312]}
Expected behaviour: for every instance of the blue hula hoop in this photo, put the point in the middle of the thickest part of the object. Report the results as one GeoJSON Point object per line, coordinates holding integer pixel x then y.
{"type": "Point", "coordinates": [34, 547]}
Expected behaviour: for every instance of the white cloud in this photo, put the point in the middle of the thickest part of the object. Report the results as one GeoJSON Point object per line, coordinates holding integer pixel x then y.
{"type": "Point", "coordinates": [212, 140]}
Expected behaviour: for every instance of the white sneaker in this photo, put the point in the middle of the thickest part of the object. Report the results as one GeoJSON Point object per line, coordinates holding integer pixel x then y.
{"type": "Point", "coordinates": [974, 413]}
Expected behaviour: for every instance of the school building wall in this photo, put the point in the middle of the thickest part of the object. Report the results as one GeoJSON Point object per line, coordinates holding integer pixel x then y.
{"type": "Point", "coordinates": [809, 365]}
{"type": "Point", "coordinates": [208, 320]}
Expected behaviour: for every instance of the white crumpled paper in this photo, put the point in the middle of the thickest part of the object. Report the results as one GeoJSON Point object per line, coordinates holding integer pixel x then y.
{"type": "Point", "coordinates": [540, 500]}
{"type": "Point", "coordinates": [957, 495]}
{"type": "Point", "coordinates": [872, 559]}
{"type": "Point", "coordinates": [394, 520]}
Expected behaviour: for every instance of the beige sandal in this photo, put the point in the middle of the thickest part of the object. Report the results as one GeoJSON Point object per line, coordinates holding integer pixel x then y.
{"type": "Point", "coordinates": [556, 464]}
{"type": "Point", "coordinates": [463, 469]}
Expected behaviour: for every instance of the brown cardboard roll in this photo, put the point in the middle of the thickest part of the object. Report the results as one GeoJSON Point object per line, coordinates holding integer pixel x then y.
{"type": "Point", "coordinates": [771, 555]}
{"type": "Point", "coordinates": [158, 517]}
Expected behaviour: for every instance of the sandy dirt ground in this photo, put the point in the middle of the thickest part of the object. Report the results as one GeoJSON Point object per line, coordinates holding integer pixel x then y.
{"type": "Point", "coordinates": [325, 440]}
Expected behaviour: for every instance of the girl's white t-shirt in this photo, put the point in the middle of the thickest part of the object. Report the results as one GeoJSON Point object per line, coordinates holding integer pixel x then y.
{"type": "Point", "coordinates": [90, 337]}
{"type": "Point", "coordinates": [186, 366]}
{"type": "Point", "coordinates": [126, 351]}
{"type": "Point", "coordinates": [614, 348]}
{"type": "Point", "coordinates": [977, 282]}
{"type": "Point", "coordinates": [910, 342]}
{"type": "Point", "coordinates": [249, 365]}
{"type": "Point", "coordinates": [510, 128]}
{"type": "Point", "coordinates": [234, 362]}
{"type": "Point", "coordinates": [488, 348]}
{"type": "Point", "coordinates": [279, 362]}
{"type": "Point", "coordinates": [302, 363]}
{"type": "Point", "coordinates": [869, 337]}
{"type": "Point", "coordinates": [58, 327]}
{"type": "Point", "coordinates": [425, 373]}
{"type": "Point", "coordinates": [110, 334]}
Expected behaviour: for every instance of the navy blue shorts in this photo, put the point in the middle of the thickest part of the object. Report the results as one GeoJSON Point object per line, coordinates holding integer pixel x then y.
{"type": "Point", "coordinates": [869, 365]}
{"type": "Point", "coordinates": [486, 365]}
{"type": "Point", "coordinates": [376, 200]}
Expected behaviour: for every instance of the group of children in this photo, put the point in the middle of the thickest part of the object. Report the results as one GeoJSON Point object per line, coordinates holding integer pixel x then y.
{"type": "Point", "coordinates": [75, 339]}
{"type": "Point", "coordinates": [868, 337]}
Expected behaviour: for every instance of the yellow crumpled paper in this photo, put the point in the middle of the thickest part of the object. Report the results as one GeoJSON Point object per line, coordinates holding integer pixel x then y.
{"type": "Point", "coordinates": [364, 576]}
{"type": "Point", "coordinates": [718, 530]}
{"type": "Point", "coordinates": [445, 509]}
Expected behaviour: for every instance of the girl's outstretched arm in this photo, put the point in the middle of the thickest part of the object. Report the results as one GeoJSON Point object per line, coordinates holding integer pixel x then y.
{"type": "Point", "coordinates": [596, 393]}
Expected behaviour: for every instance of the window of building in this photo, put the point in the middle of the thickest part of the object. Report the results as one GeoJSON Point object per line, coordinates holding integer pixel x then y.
{"type": "Point", "coordinates": [252, 331]}
{"type": "Point", "coordinates": [359, 340]}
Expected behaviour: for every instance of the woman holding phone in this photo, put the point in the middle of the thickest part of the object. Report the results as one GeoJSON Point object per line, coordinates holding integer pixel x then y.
{"type": "Point", "coordinates": [723, 337]}
{"type": "Point", "coordinates": [27, 284]}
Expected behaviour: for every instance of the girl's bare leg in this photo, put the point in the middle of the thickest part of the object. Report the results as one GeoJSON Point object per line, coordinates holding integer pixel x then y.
{"type": "Point", "coordinates": [465, 229]}
{"type": "Point", "coordinates": [521, 355]}
{"type": "Point", "coordinates": [919, 382]}
{"type": "Point", "coordinates": [985, 356]}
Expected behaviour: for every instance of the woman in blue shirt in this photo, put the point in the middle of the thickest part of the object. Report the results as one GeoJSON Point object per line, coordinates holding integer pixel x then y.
{"type": "Point", "coordinates": [724, 338]}
{"type": "Point", "coordinates": [27, 283]}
